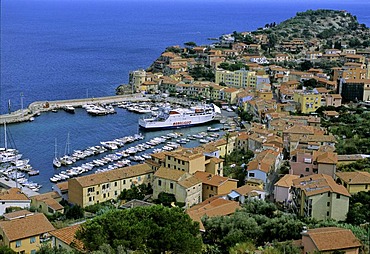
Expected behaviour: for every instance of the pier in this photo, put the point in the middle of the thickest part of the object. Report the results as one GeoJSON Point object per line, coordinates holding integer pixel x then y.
{"type": "Point", "coordinates": [38, 107]}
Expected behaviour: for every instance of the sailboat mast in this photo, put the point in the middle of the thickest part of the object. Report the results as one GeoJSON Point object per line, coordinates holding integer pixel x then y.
{"type": "Point", "coordinates": [5, 139]}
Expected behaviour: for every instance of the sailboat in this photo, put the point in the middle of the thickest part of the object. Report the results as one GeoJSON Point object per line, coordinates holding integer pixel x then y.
{"type": "Point", "coordinates": [66, 159]}
{"type": "Point", "coordinates": [56, 161]}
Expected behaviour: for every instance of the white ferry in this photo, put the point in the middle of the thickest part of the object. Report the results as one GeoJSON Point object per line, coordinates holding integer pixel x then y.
{"type": "Point", "coordinates": [181, 117]}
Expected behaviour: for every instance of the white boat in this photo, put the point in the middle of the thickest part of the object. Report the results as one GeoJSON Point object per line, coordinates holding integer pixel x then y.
{"type": "Point", "coordinates": [56, 161]}
{"type": "Point", "coordinates": [69, 109]}
{"type": "Point", "coordinates": [181, 117]}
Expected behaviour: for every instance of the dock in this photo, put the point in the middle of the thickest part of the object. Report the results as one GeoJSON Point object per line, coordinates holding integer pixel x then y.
{"type": "Point", "coordinates": [35, 108]}
{"type": "Point", "coordinates": [8, 183]}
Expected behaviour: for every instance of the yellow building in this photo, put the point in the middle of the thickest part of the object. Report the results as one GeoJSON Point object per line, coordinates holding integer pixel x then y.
{"type": "Point", "coordinates": [65, 238]}
{"type": "Point", "coordinates": [185, 187]}
{"type": "Point", "coordinates": [23, 231]}
{"type": "Point", "coordinates": [48, 203]}
{"type": "Point", "coordinates": [188, 160]}
{"type": "Point", "coordinates": [354, 181]}
{"type": "Point", "coordinates": [265, 94]}
{"type": "Point", "coordinates": [308, 102]}
{"type": "Point", "coordinates": [92, 189]}
{"type": "Point", "coordinates": [318, 196]}
{"type": "Point", "coordinates": [213, 185]}
{"type": "Point", "coordinates": [239, 79]}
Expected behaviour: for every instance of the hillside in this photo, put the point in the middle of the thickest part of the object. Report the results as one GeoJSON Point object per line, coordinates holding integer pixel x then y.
{"type": "Point", "coordinates": [326, 25]}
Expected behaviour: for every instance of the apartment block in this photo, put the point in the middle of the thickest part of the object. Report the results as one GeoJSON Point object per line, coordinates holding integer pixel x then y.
{"type": "Point", "coordinates": [96, 188]}
{"type": "Point", "coordinates": [319, 196]}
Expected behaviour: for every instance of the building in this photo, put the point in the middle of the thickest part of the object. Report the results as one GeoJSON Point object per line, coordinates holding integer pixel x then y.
{"type": "Point", "coordinates": [213, 185]}
{"type": "Point", "coordinates": [282, 188]}
{"type": "Point", "coordinates": [239, 79]}
{"type": "Point", "coordinates": [48, 203]}
{"type": "Point", "coordinates": [354, 181]}
{"type": "Point", "coordinates": [305, 162]}
{"type": "Point", "coordinates": [65, 238]}
{"type": "Point", "coordinates": [330, 239]}
{"type": "Point", "coordinates": [245, 193]}
{"type": "Point", "coordinates": [308, 102]}
{"type": "Point", "coordinates": [212, 207]}
{"type": "Point", "coordinates": [186, 188]}
{"type": "Point", "coordinates": [92, 189]}
{"type": "Point", "coordinates": [12, 198]}
{"type": "Point", "coordinates": [354, 89]}
{"type": "Point", "coordinates": [23, 231]}
{"type": "Point", "coordinates": [318, 196]}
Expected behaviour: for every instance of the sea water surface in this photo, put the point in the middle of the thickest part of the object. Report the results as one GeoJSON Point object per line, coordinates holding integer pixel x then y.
{"type": "Point", "coordinates": [65, 49]}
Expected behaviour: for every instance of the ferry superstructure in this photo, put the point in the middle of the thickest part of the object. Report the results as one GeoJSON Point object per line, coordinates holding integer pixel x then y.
{"type": "Point", "coordinates": [181, 117]}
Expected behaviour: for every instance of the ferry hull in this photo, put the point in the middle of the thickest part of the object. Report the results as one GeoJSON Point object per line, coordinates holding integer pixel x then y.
{"type": "Point", "coordinates": [157, 128]}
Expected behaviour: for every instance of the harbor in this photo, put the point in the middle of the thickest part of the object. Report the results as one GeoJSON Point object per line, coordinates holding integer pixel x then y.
{"type": "Point", "coordinates": [95, 143]}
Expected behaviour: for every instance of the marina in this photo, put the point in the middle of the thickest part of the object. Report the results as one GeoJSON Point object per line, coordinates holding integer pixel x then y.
{"type": "Point", "coordinates": [96, 143]}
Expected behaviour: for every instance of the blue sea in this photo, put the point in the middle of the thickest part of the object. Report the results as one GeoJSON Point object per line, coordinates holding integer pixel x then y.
{"type": "Point", "coordinates": [65, 49]}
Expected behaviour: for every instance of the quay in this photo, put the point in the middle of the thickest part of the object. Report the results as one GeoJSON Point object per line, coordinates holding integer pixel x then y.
{"type": "Point", "coordinates": [8, 183]}
{"type": "Point", "coordinates": [35, 108]}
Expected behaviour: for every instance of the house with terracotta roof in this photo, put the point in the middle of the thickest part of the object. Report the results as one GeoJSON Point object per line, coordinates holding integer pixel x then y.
{"type": "Point", "coordinates": [212, 207]}
{"type": "Point", "coordinates": [13, 198]}
{"type": "Point", "coordinates": [48, 203]}
{"type": "Point", "coordinates": [265, 162]}
{"type": "Point", "coordinates": [305, 162]}
{"type": "Point", "coordinates": [245, 193]}
{"type": "Point", "coordinates": [330, 239]}
{"type": "Point", "coordinates": [185, 187]}
{"type": "Point", "coordinates": [24, 232]}
{"type": "Point", "coordinates": [213, 185]}
{"type": "Point", "coordinates": [96, 188]}
{"type": "Point", "coordinates": [282, 188]}
{"type": "Point", "coordinates": [319, 196]}
{"type": "Point", "coordinates": [66, 238]}
{"type": "Point", "coordinates": [62, 189]}
{"type": "Point", "coordinates": [354, 181]}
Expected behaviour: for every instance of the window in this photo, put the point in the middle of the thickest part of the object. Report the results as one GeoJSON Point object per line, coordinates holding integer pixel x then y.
{"type": "Point", "coordinates": [115, 193]}
{"type": "Point", "coordinates": [251, 174]}
{"type": "Point", "coordinates": [327, 213]}
{"type": "Point", "coordinates": [115, 184]}
{"type": "Point", "coordinates": [18, 243]}
{"type": "Point", "coordinates": [338, 196]}
{"type": "Point", "coordinates": [97, 193]}
{"type": "Point", "coordinates": [139, 178]}
{"type": "Point", "coordinates": [159, 183]}
{"type": "Point", "coordinates": [90, 199]}
{"type": "Point", "coordinates": [171, 185]}
{"type": "Point", "coordinates": [32, 239]}
{"type": "Point", "coordinates": [328, 204]}
{"type": "Point", "coordinates": [104, 195]}
{"type": "Point", "coordinates": [328, 194]}
{"type": "Point", "coordinates": [307, 169]}
{"type": "Point", "coordinates": [211, 187]}
{"type": "Point", "coordinates": [124, 181]}
{"type": "Point", "coordinates": [366, 186]}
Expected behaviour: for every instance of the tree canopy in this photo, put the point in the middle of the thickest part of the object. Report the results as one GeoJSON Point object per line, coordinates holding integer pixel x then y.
{"type": "Point", "coordinates": [154, 229]}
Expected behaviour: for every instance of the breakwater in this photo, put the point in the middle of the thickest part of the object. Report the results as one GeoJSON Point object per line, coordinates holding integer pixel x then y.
{"type": "Point", "coordinates": [37, 107]}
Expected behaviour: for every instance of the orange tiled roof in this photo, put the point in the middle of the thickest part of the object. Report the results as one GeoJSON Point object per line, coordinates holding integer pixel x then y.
{"type": "Point", "coordinates": [31, 225]}
{"type": "Point", "coordinates": [67, 235]}
{"type": "Point", "coordinates": [333, 238]}
{"type": "Point", "coordinates": [13, 194]}
{"type": "Point", "coordinates": [211, 179]}
{"type": "Point", "coordinates": [357, 177]}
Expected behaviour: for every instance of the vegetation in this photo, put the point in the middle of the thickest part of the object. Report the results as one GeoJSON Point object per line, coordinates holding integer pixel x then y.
{"type": "Point", "coordinates": [261, 224]}
{"type": "Point", "coordinates": [6, 250]}
{"type": "Point", "coordinates": [359, 208]}
{"type": "Point", "coordinates": [136, 192]}
{"type": "Point", "coordinates": [350, 129]}
{"type": "Point", "coordinates": [233, 67]}
{"type": "Point", "coordinates": [153, 229]}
